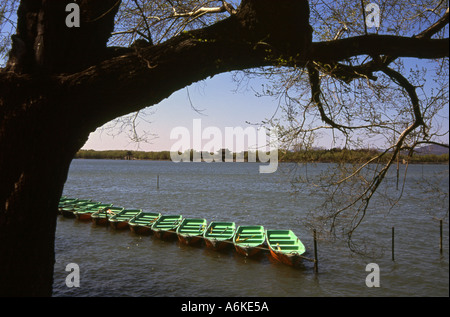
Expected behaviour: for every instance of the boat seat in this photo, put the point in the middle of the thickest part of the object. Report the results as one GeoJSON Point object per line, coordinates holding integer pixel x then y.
{"type": "Point", "coordinates": [282, 242]}
{"type": "Point", "coordinates": [245, 235]}
{"type": "Point", "coordinates": [244, 241]}
{"type": "Point", "coordinates": [287, 248]}
{"type": "Point", "coordinates": [191, 230]}
{"type": "Point", "coordinates": [241, 238]}
{"type": "Point", "coordinates": [221, 236]}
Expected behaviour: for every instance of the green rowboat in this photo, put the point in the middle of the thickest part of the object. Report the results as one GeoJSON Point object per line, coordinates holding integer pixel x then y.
{"type": "Point", "coordinates": [191, 230]}
{"type": "Point", "coordinates": [120, 220]}
{"type": "Point", "coordinates": [101, 217]}
{"type": "Point", "coordinates": [142, 222]}
{"type": "Point", "coordinates": [249, 240]}
{"type": "Point", "coordinates": [65, 202]}
{"type": "Point", "coordinates": [165, 226]}
{"type": "Point", "coordinates": [85, 214]}
{"type": "Point", "coordinates": [285, 246]}
{"type": "Point", "coordinates": [68, 210]}
{"type": "Point", "coordinates": [219, 235]}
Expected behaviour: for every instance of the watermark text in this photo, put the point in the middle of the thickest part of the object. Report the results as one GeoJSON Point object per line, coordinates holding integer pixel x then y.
{"type": "Point", "coordinates": [213, 145]}
{"type": "Point", "coordinates": [373, 16]}
{"type": "Point", "coordinates": [73, 279]}
{"type": "Point", "coordinates": [373, 278]}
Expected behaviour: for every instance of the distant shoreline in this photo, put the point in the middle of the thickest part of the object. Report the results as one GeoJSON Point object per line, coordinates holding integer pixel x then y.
{"type": "Point", "coordinates": [312, 156]}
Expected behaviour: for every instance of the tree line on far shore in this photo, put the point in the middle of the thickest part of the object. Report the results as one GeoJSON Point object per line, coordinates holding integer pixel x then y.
{"type": "Point", "coordinates": [316, 155]}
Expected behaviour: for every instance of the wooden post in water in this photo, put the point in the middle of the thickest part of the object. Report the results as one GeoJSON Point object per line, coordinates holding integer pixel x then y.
{"type": "Point", "coordinates": [316, 261]}
{"type": "Point", "coordinates": [393, 239]}
{"type": "Point", "coordinates": [157, 182]}
{"type": "Point", "coordinates": [440, 238]}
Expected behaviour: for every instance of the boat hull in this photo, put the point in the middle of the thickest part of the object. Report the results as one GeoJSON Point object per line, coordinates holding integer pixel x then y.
{"type": "Point", "coordinates": [66, 213]}
{"type": "Point", "coordinates": [84, 217]}
{"type": "Point", "coordinates": [249, 240]}
{"type": "Point", "coordinates": [165, 234]}
{"type": "Point", "coordinates": [248, 251]}
{"type": "Point", "coordinates": [119, 225]}
{"type": "Point", "coordinates": [217, 245]}
{"type": "Point", "coordinates": [140, 230]}
{"type": "Point", "coordinates": [285, 246]}
{"type": "Point", "coordinates": [189, 240]}
{"type": "Point", "coordinates": [99, 221]}
{"type": "Point", "coordinates": [293, 259]}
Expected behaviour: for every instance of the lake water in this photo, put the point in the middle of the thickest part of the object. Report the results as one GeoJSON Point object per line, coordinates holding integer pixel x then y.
{"type": "Point", "coordinates": [120, 263]}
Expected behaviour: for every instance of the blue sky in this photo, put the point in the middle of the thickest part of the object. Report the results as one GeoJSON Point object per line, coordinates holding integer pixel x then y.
{"type": "Point", "coordinates": [217, 104]}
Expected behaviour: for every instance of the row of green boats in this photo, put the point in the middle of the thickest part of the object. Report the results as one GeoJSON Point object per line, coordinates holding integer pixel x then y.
{"type": "Point", "coordinates": [283, 245]}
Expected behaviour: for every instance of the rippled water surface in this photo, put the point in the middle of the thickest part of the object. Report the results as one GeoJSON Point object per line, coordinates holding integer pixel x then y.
{"type": "Point", "coordinates": [120, 263]}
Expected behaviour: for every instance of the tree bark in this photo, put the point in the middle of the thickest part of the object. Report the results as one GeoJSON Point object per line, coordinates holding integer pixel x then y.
{"type": "Point", "coordinates": [44, 43]}
{"type": "Point", "coordinates": [39, 134]}
{"type": "Point", "coordinates": [37, 144]}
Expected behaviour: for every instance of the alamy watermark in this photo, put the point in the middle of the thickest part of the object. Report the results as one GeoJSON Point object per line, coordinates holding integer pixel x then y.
{"type": "Point", "coordinates": [373, 278]}
{"type": "Point", "coordinates": [373, 16]}
{"type": "Point", "coordinates": [73, 279]}
{"type": "Point", "coordinates": [73, 18]}
{"type": "Point", "coordinates": [262, 145]}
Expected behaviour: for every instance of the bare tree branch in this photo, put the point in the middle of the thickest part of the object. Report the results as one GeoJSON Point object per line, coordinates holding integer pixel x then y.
{"type": "Point", "coordinates": [436, 27]}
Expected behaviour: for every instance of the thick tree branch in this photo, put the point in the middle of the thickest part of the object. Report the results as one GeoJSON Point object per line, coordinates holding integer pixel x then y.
{"type": "Point", "coordinates": [44, 44]}
{"type": "Point", "coordinates": [377, 45]}
{"type": "Point", "coordinates": [436, 27]}
{"type": "Point", "coordinates": [129, 81]}
{"type": "Point", "coordinates": [316, 92]}
{"type": "Point", "coordinates": [348, 73]}
{"type": "Point", "coordinates": [411, 90]}
{"type": "Point", "coordinates": [126, 81]}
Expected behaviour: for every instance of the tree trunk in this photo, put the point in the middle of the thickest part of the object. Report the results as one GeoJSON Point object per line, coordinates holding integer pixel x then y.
{"type": "Point", "coordinates": [40, 133]}
{"type": "Point", "coordinates": [37, 144]}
